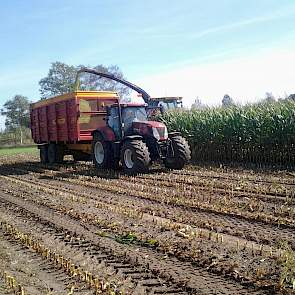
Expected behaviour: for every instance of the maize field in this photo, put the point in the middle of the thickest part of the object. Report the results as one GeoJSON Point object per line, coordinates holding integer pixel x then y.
{"type": "Point", "coordinates": [262, 134]}
{"type": "Point", "coordinates": [71, 229]}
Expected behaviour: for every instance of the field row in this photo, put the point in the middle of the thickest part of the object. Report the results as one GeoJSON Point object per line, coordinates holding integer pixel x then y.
{"type": "Point", "coordinates": [189, 236]}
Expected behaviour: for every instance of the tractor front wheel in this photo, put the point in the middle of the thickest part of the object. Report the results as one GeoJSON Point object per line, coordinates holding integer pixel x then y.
{"type": "Point", "coordinates": [181, 153]}
{"type": "Point", "coordinates": [135, 157]}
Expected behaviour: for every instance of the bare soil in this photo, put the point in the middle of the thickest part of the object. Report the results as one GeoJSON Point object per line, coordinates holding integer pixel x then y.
{"type": "Point", "coordinates": [70, 229]}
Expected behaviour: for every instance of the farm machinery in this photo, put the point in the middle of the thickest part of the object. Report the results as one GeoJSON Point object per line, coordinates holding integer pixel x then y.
{"type": "Point", "coordinates": [95, 124]}
{"type": "Point", "coordinates": [164, 103]}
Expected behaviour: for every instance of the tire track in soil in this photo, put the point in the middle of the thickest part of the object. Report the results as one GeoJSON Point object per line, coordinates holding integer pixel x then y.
{"type": "Point", "coordinates": [240, 175]}
{"type": "Point", "coordinates": [34, 274]}
{"type": "Point", "coordinates": [272, 204]}
{"type": "Point", "coordinates": [265, 216]}
{"type": "Point", "coordinates": [269, 203]}
{"type": "Point", "coordinates": [214, 188]}
{"type": "Point", "coordinates": [60, 263]}
{"type": "Point", "coordinates": [3, 287]}
{"type": "Point", "coordinates": [150, 218]}
{"type": "Point", "coordinates": [84, 253]}
{"type": "Point", "coordinates": [161, 175]}
{"type": "Point", "coordinates": [175, 243]}
{"type": "Point", "coordinates": [252, 230]}
{"type": "Point", "coordinates": [198, 280]}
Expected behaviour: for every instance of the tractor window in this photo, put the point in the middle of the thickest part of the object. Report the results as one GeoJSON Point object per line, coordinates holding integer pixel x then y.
{"type": "Point", "coordinates": [133, 114]}
{"type": "Point", "coordinates": [169, 105]}
{"type": "Point", "coordinates": [113, 121]}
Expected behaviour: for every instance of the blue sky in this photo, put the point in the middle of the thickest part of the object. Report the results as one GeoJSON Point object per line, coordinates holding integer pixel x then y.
{"type": "Point", "coordinates": [150, 41]}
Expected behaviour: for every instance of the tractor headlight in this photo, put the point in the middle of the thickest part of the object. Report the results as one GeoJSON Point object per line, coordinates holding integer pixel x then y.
{"type": "Point", "coordinates": [165, 133]}
{"type": "Point", "coordinates": [160, 133]}
{"type": "Point", "coordinates": [156, 133]}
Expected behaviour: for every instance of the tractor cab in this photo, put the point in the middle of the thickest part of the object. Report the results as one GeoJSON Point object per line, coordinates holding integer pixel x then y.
{"type": "Point", "coordinates": [132, 119]}
{"type": "Point", "coordinates": [161, 105]}
{"type": "Point", "coordinates": [166, 103]}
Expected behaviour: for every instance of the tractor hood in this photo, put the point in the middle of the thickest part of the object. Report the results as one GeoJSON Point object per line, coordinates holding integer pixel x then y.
{"type": "Point", "coordinates": [151, 128]}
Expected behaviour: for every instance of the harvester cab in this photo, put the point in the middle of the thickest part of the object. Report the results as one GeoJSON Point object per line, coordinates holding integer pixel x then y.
{"type": "Point", "coordinates": [131, 138]}
{"type": "Point", "coordinates": [164, 104]}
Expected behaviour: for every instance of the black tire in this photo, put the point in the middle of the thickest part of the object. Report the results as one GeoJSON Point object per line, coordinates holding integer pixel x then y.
{"type": "Point", "coordinates": [52, 153]}
{"type": "Point", "coordinates": [44, 154]}
{"type": "Point", "coordinates": [60, 153]}
{"type": "Point", "coordinates": [138, 159]}
{"type": "Point", "coordinates": [80, 156]}
{"type": "Point", "coordinates": [108, 161]}
{"type": "Point", "coordinates": [55, 153]}
{"type": "Point", "coordinates": [182, 153]}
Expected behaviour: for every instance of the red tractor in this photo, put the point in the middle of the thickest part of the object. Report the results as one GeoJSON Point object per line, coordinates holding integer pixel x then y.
{"type": "Point", "coordinates": [116, 132]}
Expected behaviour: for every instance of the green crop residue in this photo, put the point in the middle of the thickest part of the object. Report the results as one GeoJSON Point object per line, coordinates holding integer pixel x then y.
{"type": "Point", "coordinates": [287, 276]}
{"type": "Point", "coordinates": [129, 238]}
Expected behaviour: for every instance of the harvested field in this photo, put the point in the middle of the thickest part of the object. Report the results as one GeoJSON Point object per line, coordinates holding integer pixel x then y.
{"type": "Point", "coordinates": [70, 229]}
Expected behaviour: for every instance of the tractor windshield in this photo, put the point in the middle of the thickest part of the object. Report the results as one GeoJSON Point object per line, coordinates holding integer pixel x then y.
{"type": "Point", "coordinates": [168, 105]}
{"type": "Point", "coordinates": [133, 114]}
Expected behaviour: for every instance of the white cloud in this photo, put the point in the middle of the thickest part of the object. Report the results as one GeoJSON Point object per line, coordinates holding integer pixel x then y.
{"type": "Point", "coordinates": [282, 13]}
{"type": "Point", "coordinates": [245, 79]}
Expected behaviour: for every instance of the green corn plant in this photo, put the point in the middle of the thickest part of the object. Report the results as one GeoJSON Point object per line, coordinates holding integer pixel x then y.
{"type": "Point", "coordinates": [261, 133]}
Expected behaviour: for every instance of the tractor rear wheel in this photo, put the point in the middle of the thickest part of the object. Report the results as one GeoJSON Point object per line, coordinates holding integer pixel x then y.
{"type": "Point", "coordinates": [135, 157]}
{"type": "Point", "coordinates": [44, 154]}
{"type": "Point", "coordinates": [182, 153]}
{"type": "Point", "coordinates": [102, 153]}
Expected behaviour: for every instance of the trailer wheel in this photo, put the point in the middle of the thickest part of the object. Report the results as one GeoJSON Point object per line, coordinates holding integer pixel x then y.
{"type": "Point", "coordinates": [55, 153]}
{"type": "Point", "coordinates": [44, 154]}
{"type": "Point", "coordinates": [102, 153]}
{"type": "Point", "coordinates": [135, 157]}
{"type": "Point", "coordinates": [182, 153]}
{"type": "Point", "coordinates": [80, 156]}
{"type": "Point", "coordinates": [51, 153]}
{"type": "Point", "coordinates": [60, 154]}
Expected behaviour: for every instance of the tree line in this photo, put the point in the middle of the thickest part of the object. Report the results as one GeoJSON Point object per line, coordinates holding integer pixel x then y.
{"type": "Point", "coordinates": [228, 101]}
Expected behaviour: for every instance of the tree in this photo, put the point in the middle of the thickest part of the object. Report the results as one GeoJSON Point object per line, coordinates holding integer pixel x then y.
{"type": "Point", "coordinates": [61, 79]}
{"type": "Point", "coordinates": [269, 97]}
{"type": "Point", "coordinates": [17, 114]}
{"type": "Point", "coordinates": [227, 101]}
{"type": "Point", "coordinates": [94, 82]}
{"type": "Point", "coordinates": [197, 105]}
{"type": "Point", "coordinates": [291, 97]}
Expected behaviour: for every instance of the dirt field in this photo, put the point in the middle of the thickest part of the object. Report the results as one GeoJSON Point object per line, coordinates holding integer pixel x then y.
{"type": "Point", "coordinates": [69, 229]}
